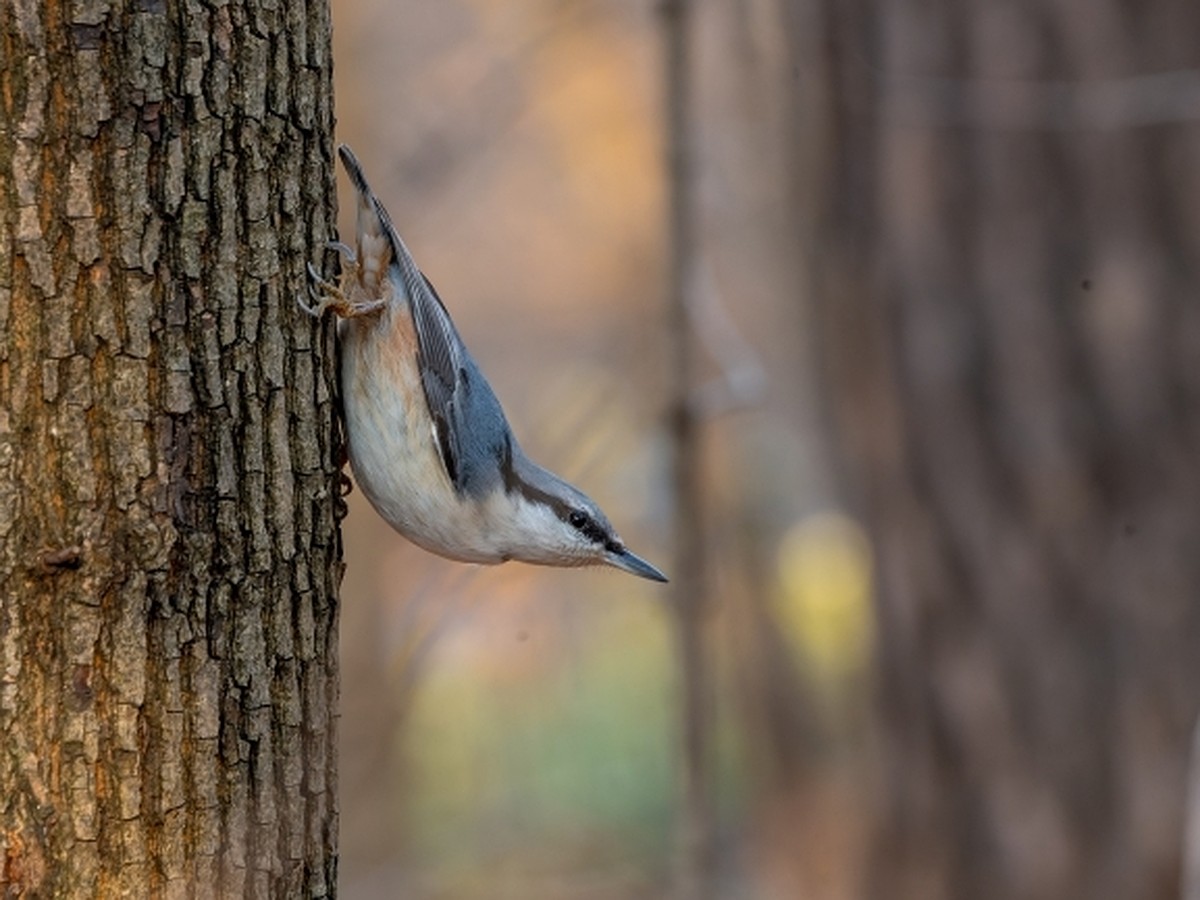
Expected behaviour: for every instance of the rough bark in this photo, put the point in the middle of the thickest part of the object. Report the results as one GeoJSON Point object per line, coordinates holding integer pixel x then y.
{"type": "Point", "coordinates": [1008, 296]}
{"type": "Point", "coordinates": [169, 555]}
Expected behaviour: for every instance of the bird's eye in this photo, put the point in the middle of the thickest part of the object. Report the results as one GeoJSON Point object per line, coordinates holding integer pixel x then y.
{"type": "Point", "coordinates": [587, 526]}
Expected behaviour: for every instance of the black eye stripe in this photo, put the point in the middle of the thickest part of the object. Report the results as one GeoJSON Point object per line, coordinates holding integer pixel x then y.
{"type": "Point", "coordinates": [577, 518]}
{"type": "Point", "coordinates": [587, 526]}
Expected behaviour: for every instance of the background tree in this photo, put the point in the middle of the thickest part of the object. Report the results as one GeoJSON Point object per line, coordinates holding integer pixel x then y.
{"type": "Point", "coordinates": [1006, 277]}
{"type": "Point", "coordinates": [169, 555]}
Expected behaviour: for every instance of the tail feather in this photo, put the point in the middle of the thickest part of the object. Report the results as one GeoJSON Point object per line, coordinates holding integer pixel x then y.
{"type": "Point", "coordinates": [373, 248]}
{"type": "Point", "coordinates": [379, 246]}
{"type": "Point", "coordinates": [354, 170]}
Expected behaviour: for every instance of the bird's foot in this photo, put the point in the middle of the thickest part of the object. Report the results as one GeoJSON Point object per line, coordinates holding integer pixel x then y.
{"type": "Point", "coordinates": [326, 295]}
{"type": "Point", "coordinates": [343, 250]}
{"type": "Point", "coordinates": [345, 487]}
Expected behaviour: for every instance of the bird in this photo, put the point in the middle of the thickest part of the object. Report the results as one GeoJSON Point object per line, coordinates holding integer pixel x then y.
{"type": "Point", "coordinates": [427, 438]}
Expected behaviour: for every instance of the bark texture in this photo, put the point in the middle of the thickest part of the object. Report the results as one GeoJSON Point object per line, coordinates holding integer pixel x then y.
{"type": "Point", "coordinates": [1007, 281]}
{"type": "Point", "coordinates": [169, 555]}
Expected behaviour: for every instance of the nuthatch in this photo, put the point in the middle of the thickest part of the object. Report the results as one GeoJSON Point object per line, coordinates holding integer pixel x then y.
{"type": "Point", "coordinates": [428, 442]}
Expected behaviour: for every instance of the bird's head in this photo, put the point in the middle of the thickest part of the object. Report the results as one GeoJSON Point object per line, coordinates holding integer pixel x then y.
{"type": "Point", "coordinates": [555, 524]}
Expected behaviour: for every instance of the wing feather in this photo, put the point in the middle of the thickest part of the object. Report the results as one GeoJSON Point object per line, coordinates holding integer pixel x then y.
{"type": "Point", "coordinates": [451, 382]}
{"type": "Point", "coordinates": [443, 375]}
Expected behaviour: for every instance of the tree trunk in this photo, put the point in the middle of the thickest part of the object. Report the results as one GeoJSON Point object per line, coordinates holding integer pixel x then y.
{"type": "Point", "coordinates": [1011, 326]}
{"type": "Point", "coordinates": [696, 864]}
{"type": "Point", "coordinates": [169, 553]}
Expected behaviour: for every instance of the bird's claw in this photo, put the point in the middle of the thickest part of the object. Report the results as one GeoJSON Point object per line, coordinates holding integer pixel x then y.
{"type": "Point", "coordinates": [327, 295]}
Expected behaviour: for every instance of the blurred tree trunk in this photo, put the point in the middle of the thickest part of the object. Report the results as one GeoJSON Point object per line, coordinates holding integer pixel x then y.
{"type": "Point", "coordinates": [169, 555]}
{"type": "Point", "coordinates": [1007, 282]}
{"type": "Point", "coordinates": [696, 868]}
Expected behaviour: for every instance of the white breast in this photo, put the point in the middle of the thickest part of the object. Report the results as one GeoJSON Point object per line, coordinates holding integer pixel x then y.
{"type": "Point", "coordinates": [393, 452]}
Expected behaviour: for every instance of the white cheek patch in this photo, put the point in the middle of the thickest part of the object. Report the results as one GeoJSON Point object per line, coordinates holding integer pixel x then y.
{"type": "Point", "coordinates": [523, 530]}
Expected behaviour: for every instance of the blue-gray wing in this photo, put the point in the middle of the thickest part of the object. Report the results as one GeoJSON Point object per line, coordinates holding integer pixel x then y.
{"type": "Point", "coordinates": [442, 379]}
{"type": "Point", "coordinates": [468, 423]}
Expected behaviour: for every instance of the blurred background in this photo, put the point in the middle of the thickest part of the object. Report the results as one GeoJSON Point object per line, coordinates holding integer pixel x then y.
{"type": "Point", "coordinates": [941, 598]}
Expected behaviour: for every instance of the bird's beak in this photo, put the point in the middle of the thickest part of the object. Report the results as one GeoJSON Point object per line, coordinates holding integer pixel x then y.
{"type": "Point", "coordinates": [633, 564]}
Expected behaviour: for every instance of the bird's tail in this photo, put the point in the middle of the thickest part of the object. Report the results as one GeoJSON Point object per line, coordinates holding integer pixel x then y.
{"type": "Point", "coordinates": [378, 243]}
{"type": "Point", "coordinates": [373, 241]}
{"type": "Point", "coordinates": [354, 170]}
